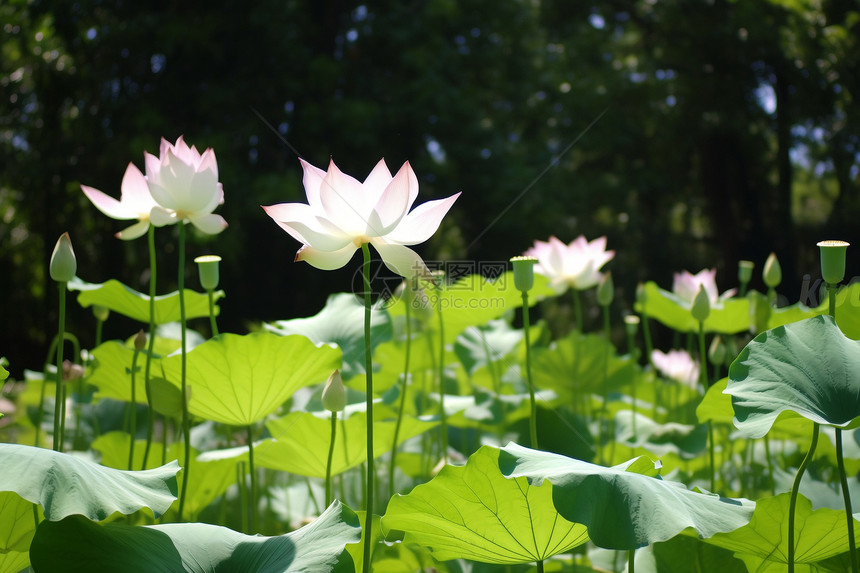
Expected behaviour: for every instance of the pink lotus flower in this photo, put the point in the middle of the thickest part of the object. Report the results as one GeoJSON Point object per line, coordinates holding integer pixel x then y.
{"type": "Point", "coordinates": [677, 365]}
{"type": "Point", "coordinates": [686, 286]}
{"type": "Point", "coordinates": [576, 265]}
{"type": "Point", "coordinates": [135, 202]}
{"type": "Point", "coordinates": [184, 184]}
{"type": "Point", "coordinates": [342, 214]}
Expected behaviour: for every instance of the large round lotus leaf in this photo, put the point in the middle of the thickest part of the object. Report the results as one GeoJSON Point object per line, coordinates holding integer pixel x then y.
{"type": "Point", "coordinates": [239, 380]}
{"type": "Point", "coordinates": [622, 508]}
{"type": "Point", "coordinates": [808, 367]}
{"type": "Point", "coordinates": [115, 296]}
{"type": "Point", "coordinates": [77, 545]}
{"type": "Point", "coordinates": [66, 485]}
{"type": "Point", "coordinates": [474, 512]}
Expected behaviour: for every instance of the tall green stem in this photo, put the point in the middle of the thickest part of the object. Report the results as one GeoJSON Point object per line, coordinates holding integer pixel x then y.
{"type": "Point", "coordinates": [405, 384]}
{"type": "Point", "coordinates": [133, 412]}
{"type": "Point", "coordinates": [368, 363]}
{"type": "Point", "coordinates": [186, 423]}
{"type": "Point", "coordinates": [792, 504]}
{"type": "Point", "coordinates": [212, 323]}
{"type": "Point", "coordinates": [846, 498]}
{"type": "Point", "coordinates": [703, 379]}
{"type": "Point", "coordinates": [58, 405]}
{"type": "Point", "coordinates": [253, 505]}
{"type": "Point", "coordinates": [328, 496]}
{"type": "Point", "coordinates": [533, 418]}
{"type": "Point", "coordinates": [442, 414]}
{"type": "Point", "coordinates": [577, 310]}
{"type": "Point", "coordinates": [150, 428]}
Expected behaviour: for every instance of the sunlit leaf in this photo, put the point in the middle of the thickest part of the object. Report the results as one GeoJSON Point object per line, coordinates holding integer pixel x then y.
{"type": "Point", "coordinates": [819, 534]}
{"type": "Point", "coordinates": [241, 379]}
{"type": "Point", "coordinates": [808, 367]}
{"type": "Point", "coordinates": [74, 544]}
{"type": "Point", "coordinates": [340, 322]}
{"type": "Point", "coordinates": [624, 509]}
{"type": "Point", "coordinates": [15, 561]}
{"type": "Point", "coordinates": [66, 485]}
{"type": "Point", "coordinates": [716, 405]}
{"type": "Point", "coordinates": [474, 512]}
{"type": "Point", "coordinates": [17, 523]}
{"type": "Point", "coordinates": [111, 372]}
{"type": "Point", "coordinates": [124, 300]}
{"type": "Point", "coordinates": [730, 318]}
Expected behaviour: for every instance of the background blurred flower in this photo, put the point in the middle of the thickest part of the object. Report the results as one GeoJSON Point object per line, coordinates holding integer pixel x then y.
{"type": "Point", "coordinates": [184, 184]}
{"type": "Point", "coordinates": [686, 285]}
{"type": "Point", "coordinates": [677, 365]}
{"type": "Point", "coordinates": [576, 265]}
{"type": "Point", "coordinates": [135, 202]}
{"type": "Point", "coordinates": [342, 214]}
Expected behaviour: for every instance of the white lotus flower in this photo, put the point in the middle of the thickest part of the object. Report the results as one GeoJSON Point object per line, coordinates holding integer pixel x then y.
{"type": "Point", "coordinates": [686, 286]}
{"type": "Point", "coordinates": [576, 265]}
{"type": "Point", "coordinates": [135, 202]}
{"type": "Point", "coordinates": [343, 214]}
{"type": "Point", "coordinates": [677, 365]}
{"type": "Point", "coordinates": [184, 184]}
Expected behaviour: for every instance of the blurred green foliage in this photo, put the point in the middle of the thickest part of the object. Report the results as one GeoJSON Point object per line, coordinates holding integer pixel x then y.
{"type": "Point", "coordinates": [730, 130]}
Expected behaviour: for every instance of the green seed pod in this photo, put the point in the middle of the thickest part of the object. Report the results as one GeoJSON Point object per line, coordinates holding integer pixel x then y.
{"type": "Point", "coordinates": [524, 272]}
{"type": "Point", "coordinates": [833, 261]}
{"type": "Point", "coordinates": [207, 267]}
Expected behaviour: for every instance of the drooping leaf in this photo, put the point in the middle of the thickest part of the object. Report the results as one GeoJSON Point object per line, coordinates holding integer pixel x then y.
{"type": "Point", "coordinates": [241, 379]}
{"type": "Point", "coordinates": [624, 509]}
{"type": "Point", "coordinates": [302, 441]}
{"type": "Point", "coordinates": [66, 485]}
{"type": "Point", "coordinates": [683, 554]}
{"type": "Point", "coordinates": [340, 322]}
{"type": "Point", "coordinates": [75, 544]}
{"type": "Point", "coordinates": [731, 317]}
{"type": "Point", "coordinates": [808, 367]}
{"type": "Point", "coordinates": [819, 534]}
{"type": "Point", "coordinates": [124, 300]}
{"type": "Point", "coordinates": [474, 512]}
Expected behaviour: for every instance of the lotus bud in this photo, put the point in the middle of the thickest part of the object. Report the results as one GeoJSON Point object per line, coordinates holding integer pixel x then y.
{"type": "Point", "coordinates": [833, 261]}
{"type": "Point", "coordinates": [701, 305]}
{"type": "Point", "coordinates": [772, 273]}
{"type": "Point", "coordinates": [140, 340]}
{"type": "Point", "coordinates": [63, 262]}
{"type": "Point", "coordinates": [334, 393]}
{"type": "Point", "coordinates": [207, 267]}
{"type": "Point", "coordinates": [631, 324]}
{"type": "Point", "coordinates": [717, 351]}
{"type": "Point", "coordinates": [605, 290]}
{"type": "Point", "coordinates": [524, 272]}
{"type": "Point", "coordinates": [101, 312]}
{"type": "Point", "coordinates": [745, 271]}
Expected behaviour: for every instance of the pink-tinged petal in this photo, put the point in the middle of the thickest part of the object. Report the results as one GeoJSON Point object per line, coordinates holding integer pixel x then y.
{"type": "Point", "coordinates": [162, 197]}
{"type": "Point", "coordinates": [203, 195]}
{"type": "Point", "coordinates": [377, 181]}
{"type": "Point", "coordinates": [165, 145]}
{"type": "Point", "coordinates": [312, 180]}
{"type": "Point", "coordinates": [208, 161]}
{"type": "Point", "coordinates": [557, 254]}
{"type": "Point", "coordinates": [135, 192]}
{"type": "Point", "coordinates": [420, 224]}
{"type": "Point", "coordinates": [402, 260]}
{"type": "Point", "coordinates": [326, 260]}
{"type": "Point", "coordinates": [152, 166]}
{"type": "Point", "coordinates": [342, 201]}
{"type": "Point", "coordinates": [159, 216]}
{"type": "Point", "coordinates": [300, 221]}
{"type": "Point", "coordinates": [137, 230]}
{"type": "Point", "coordinates": [108, 205]}
{"type": "Point", "coordinates": [209, 224]}
{"type": "Point", "coordinates": [390, 208]}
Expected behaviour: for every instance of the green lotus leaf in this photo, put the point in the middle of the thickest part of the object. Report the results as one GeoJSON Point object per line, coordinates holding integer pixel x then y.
{"type": "Point", "coordinates": [15, 561]}
{"type": "Point", "coordinates": [340, 322]}
{"type": "Point", "coordinates": [3, 372]}
{"type": "Point", "coordinates": [622, 507]}
{"type": "Point", "coordinates": [819, 534]}
{"type": "Point", "coordinates": [67, 485]}
{"type": "Point", "coordinates": [16, 523]}
{"type": "Point", "coordinates": [683, 554]}
{"type": "Point", "coordinates": [76, 545]}
{"type": "Point", "coordinates": [302, 441]}
{"type": "Point", "coordinates": [124, 300]}
{"type": "Point", "coordinates": [730, 318]}
{"type": "Point", "coordinates": [239, 380]}
{"type": "Point", "coordinates": [474, 512]}
{"type": "Point", "coordinates": [479, 346]}
{"type": "Point", "coordinates": [808, 367]}
{"type": "Point", "coordinates": [111, 372]}
{"type": "Point", "coordinates": [716, 405]}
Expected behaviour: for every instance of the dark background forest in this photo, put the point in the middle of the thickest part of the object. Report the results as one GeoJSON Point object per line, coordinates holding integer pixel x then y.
{"type": "Point", "coordinates": [693, 133]}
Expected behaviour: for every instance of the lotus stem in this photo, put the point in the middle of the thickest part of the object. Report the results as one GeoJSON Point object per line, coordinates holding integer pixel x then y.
{"type": "Point", "coordinates": [442, 415]}
{"type": "Point", "coordinates": [577, 310]}
{"type": "Point", "coordinates": [212, 323]}
{"type": "Point", "coordinates": [186, 423]}
{"type": "Point", "coordinates": [52, 350]}
{"type": "Point", "coordinates": [368, 364]}
{"type": "Point", "coordinates": [769, 465]}
{"type": "Point", "coordinates": [133, 410]}
{"type": "Point", "coordinates": [703, 379]}
{"type": "Point", "coordinates": [831, 297]}
{"type": "Point", "coordinates": [631, 558]}
{"type": "Point", "coordinates": [792, 504]}
{"type": "Point", "coordinates": [150, 427]}
{"type": "Point", "coordinates": [846, 497]}
{"type": "Point", "coordinates": [253, 494]}
{"type": "Point", "coordinates": [399, 422]}
{"type": "Point", "coordinates": [328, 495]}
{"type": "Point", "coordinates": [58, 405]}
{"type": "Point", "coordinates": [539, 564]}
{"type": "Point", "coordinates": [243, 495]}
{"type": "Point", "coordinates": [533, 418]}
{"type": "Point", "coordinates": [604, 385]}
